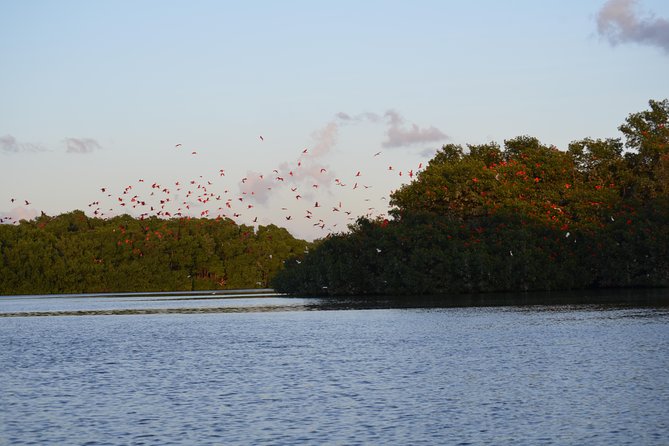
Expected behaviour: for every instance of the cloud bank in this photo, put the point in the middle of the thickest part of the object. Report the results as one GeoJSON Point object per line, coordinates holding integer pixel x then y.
{"type": "Point", "coordinates": [397, 133]}
{"type": "Point", "coordinates": [9, 144]}
{"type": "Point", "coordinates": [400, 136]}
{"type": "Point", "coordinates": [619, 22]}
{"type": "Point", "coordinates": [81, 145]}
{"type": "Point", "coordinates": [308, 170]}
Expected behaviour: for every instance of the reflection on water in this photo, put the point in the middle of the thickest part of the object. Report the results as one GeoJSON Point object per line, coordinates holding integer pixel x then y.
{"type": "Point", "coordinates": [539, 374]}
{"type": "Point", "coordinates": [225, 301]}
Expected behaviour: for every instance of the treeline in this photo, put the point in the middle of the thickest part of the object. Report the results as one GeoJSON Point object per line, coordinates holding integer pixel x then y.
{"type": "Point", "coordinates": [525, 216]}
{"type": "Point", "coordinates": [73, 253]}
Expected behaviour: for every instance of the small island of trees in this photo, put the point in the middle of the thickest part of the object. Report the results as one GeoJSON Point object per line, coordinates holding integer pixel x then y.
{"type": "Point", "coordinates": [524, 216]}
{"type": "Point", "coordinates": [73, 253]}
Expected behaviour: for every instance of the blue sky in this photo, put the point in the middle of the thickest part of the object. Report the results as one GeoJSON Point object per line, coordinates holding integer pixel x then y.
{"type": "Point", "coordinates": [98, 94]}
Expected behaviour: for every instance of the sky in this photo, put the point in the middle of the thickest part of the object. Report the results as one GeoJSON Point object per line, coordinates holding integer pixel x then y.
{"type": "Point", "coordinates": [301, 114]}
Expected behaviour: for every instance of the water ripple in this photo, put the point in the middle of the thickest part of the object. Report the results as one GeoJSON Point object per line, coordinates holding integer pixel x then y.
{"type": "Point", "coordinates": [388, 376]}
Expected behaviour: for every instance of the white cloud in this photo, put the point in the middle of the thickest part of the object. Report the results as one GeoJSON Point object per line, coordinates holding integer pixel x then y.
{"type": "Point", "coordinates": [619, 22]}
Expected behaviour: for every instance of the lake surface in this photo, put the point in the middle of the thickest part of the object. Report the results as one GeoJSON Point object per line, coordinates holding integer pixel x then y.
{"type": "Point", "coordinates": [210, 370]}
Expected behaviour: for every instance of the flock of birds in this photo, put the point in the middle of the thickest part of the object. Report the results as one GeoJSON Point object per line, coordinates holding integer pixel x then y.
{"type": "Point", "coordinates": [308, 193]}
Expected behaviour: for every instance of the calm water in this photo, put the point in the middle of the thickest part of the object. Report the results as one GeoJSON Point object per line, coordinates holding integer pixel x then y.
{"type": "Point", "coordinates": [578, 374]}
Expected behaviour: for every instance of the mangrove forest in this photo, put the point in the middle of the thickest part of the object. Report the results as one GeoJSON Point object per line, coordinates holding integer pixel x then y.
{"type": "Point", "coordinates": [525, 216]}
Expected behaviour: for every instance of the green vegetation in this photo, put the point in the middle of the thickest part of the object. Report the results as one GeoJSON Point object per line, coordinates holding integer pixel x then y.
{"type": "Point", "coordinates": [522, 217]}
{"type": "Point", "coordinates": [73, 253]}
{"type": "Point", "coordinates": [481, 218]}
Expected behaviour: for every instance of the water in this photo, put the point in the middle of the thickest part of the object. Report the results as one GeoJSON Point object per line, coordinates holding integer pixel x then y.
{"type": "Point", "coordinates": [559, 374]}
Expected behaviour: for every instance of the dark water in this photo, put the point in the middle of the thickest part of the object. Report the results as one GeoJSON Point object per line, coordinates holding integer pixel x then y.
{"type": "Point", "coordinates": [558, 374]}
